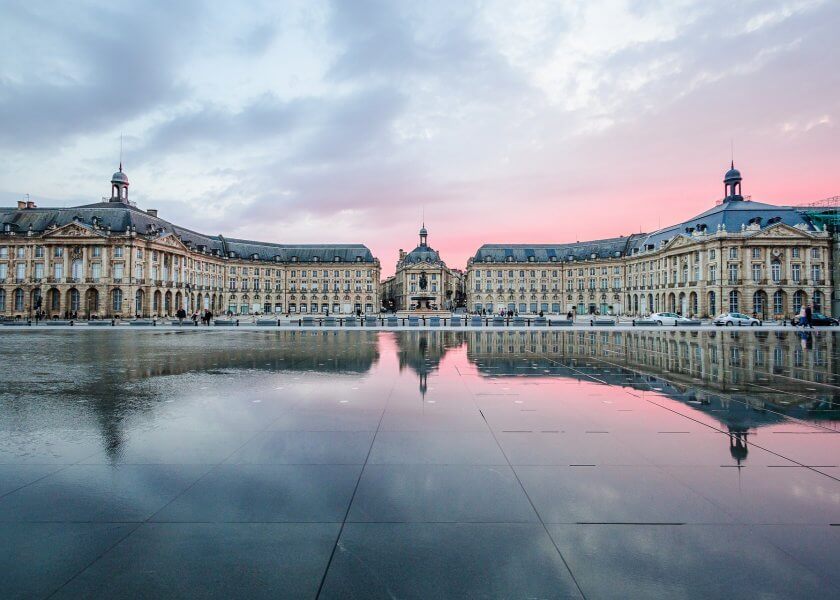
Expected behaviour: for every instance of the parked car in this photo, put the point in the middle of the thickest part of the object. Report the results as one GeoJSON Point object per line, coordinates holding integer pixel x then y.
{"type": "Point", "coordinates": [666, 318]}
{"type": "Point", "coordinates": [821, 319]}
{"type": "Point", "coordinates": [734, 318]}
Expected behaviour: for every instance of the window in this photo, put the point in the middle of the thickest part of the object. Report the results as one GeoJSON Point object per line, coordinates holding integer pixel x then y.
{"type": "Point", "coordinates": [58, 251]}
{"type": "Point", "coordinates": [96, 271]}
{"type": "Point", "coordinates": [58, 271]}
{"type": "Point", "coordinates": [18, 300]}
{"type": "Point", "coordinates": [20, 252]}
{"type": "Point", "coordinates": [118, 252]}
{"type": "Point", "coordinates": [2, 300]}
{"type": "Point", "coordinates": [20, 271]}
{"type": "Point", "coordinates": [796, 273]}
{"type": "Point", "coordinates": [118, 271]}
{"type": "Point", "coordinates": [816, 274]}
{"type": "Point", "coordinates": [815, 252]}
{"type": "Point", "coordinates": [778, 302]}
{"type": "Point", "coordinates": [39, 252]}
{"type": "Point", "coordinates": [733, 301]}
{"type": "Point", "coordinates": [776, 271]}
{"type": "Point", "coordinates": [798, 301]}
{"type": "Point", "coordinates": [756, 253]}
{"type": "Point", "coordinates": [39, 271]}
{"type": "Point", "coordinates": [96, 251]}
{"type": "Point", "coordinates": [733, 252]}
{"type": "Point", "coordinates": [4, 252]}
{"type": "Point", "coordinates": [116, 300]}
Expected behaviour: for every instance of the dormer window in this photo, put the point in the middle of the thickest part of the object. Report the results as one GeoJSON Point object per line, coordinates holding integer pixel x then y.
{"type": "Point", "coordinates": [294, 259]}
{"type": "Point", "coordinates": [255, 256]}
{"type": "Point", "coordinates": [314, 259]}
{"type": "Point", "coordinates": [336, 259]}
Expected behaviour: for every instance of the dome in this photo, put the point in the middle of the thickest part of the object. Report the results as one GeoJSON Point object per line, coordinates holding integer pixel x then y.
{"type": "Point", "coordinates": [423, 231]}
{"type": "Point", "coordinates": [119, 177]}
{"type": "Point", "coordinates": [732, 174]}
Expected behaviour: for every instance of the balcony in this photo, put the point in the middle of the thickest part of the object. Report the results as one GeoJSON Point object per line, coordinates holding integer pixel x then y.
{"type": "Point", "coordinates": [118, 280]}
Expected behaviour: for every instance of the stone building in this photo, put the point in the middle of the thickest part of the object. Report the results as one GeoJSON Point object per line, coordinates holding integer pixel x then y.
{"type": "Point", "coordinates": [740, 255]}
{"type": "Point", "coordinates": [112, 259]}
{"type": "Point", "coordinates": [422, 281]}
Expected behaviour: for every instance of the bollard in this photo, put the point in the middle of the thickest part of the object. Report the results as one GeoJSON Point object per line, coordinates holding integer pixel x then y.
{"type": "Point", "coordinates": [528, 321]}
{"type": "Point", "coordinates": [237, 322]}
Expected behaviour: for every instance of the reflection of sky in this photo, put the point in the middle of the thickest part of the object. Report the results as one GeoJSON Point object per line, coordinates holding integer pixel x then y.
{"type": "Point", "coordinates": [300, 120]}
{"type": "Point", "coordinates": [125, 387]}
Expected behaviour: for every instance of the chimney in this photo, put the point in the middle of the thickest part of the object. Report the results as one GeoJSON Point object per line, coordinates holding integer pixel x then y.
{"type": "Point", "coordinates": [30, 204]}
{"type": "Point", "coordinates": [21, 204]}
{"type": "Point", "coordinates": [152, 212]}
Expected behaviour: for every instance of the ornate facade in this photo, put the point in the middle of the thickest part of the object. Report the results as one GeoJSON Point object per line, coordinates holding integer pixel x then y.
{"type": "Point", "coordinates": [422, 281]}
{"type": "Point", "coordinates": [111, 259]}
{"type": "Point", "coordinates": [740, 256]}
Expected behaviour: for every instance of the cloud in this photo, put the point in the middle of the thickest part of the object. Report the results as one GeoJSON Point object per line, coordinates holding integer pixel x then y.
{"type": "Point", "coordinates": [98, 67]}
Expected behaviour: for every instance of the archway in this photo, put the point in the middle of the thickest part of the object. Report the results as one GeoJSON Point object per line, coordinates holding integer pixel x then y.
{"type": "Point", "coordinates": [760, 304]}
{"type": "Point", "coordinates": [92, 302]}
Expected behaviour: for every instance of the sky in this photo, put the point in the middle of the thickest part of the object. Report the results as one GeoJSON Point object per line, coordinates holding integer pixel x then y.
{"type": "Point", "coordinates": [351, 121]}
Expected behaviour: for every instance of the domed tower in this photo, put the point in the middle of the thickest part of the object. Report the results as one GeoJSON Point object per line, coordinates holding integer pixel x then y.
{"type": "Point", "coordinates": [119, 186]}
{"type": "Point", "coordinates": [732, 184]}
{"type": "Point", "coordinates": [423, 235]}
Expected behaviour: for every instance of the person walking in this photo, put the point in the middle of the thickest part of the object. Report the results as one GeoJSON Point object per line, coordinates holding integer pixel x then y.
{"type": "Point", "coordinates": [809, 323]}
{"type": "Point", "coordinates": [801, 317]}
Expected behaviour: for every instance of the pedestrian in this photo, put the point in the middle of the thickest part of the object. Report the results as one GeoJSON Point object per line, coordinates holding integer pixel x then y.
{"type": "Point", "coordinates": [195, 318]}
{"type": "Point", "coordinates": [801, 317]}
{"type": "Point", "coordinates": [809, 317]}
{"type": "Point", "coordinates": [569, 316]}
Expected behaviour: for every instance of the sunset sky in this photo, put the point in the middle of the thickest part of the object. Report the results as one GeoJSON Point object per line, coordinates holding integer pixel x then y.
{"type": "Point", "coordinates": [346, 121]}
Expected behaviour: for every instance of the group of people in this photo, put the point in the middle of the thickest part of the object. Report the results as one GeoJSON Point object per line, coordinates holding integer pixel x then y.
{"type": "Point", "coordinates": [206, 316]}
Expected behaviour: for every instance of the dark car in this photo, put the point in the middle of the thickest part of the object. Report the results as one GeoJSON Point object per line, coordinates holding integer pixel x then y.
{"type": "Point", "coordinates": [821, 319]}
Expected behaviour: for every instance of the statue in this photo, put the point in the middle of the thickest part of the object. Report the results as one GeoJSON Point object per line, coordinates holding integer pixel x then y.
{"type": "Point", "coordinates": [423, 281]}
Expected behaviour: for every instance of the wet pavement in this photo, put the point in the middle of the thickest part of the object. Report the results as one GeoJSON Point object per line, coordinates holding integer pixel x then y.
{"type": "Point", "coordinates": [422, 464]}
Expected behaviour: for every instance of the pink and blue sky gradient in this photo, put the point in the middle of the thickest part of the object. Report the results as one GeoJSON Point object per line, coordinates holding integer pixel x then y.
{"type": "Point", "coordinates": [315, 121]}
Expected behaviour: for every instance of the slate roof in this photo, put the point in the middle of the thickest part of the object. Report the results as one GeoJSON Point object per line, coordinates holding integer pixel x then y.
{"type": "Point", "coordinates": [422, 254]}
{"type": "Point", "coordinates": [606, 248]}
{"type": "Point", "coordinates": [119, 217]}
{"type": "Point", "coordinates": [732, 214]}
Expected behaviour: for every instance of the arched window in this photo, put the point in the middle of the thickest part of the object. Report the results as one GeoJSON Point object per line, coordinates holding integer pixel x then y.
{"type": "Point", "coordinates": [758, 302]}
{"type": "Point", "coordinates": [798, 301]}
{"type": "Point", "coordinates": [733, 301]}
{"type": "Point", "coordinates": [74, 300]}
{"type": "Point", "coordinates": [817, 301]}
{"type": "Point", "coordinates": [2, 300]}
{"type": "Point", "coordinates": [116, 300]}
{"type": "Point", "coordinates": [138, 302]}
{"type": "Point", "coordinates": [778, 302]}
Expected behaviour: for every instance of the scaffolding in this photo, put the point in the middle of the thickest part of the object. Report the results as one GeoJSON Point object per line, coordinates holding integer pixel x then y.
{"type": "Point", "coordinates": [824, 213]}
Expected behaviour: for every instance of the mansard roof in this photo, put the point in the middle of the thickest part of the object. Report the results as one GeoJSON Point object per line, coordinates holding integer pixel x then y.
{"type": "Point", "coordinates": [606, 248]}
{"type": "Point", "coordinates": [423, 254]}
{"type": "Point", "coordinates": [731, 216]}
{"type": "Point", "coordinates": [120, 217]}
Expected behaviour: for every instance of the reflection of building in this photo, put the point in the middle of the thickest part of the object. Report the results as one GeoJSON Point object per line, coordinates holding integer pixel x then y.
{"type": "Point", "coordinates": [422, 350]}
{"type": "Point", "coordinates": [422, 281]}
{"type": "Point", "coordinates": [740, 256]}
{"type": "Point", "coordinates": [728, 376]}
{"type": "Point", "coordinates": [113, 259]}
{"type": "Point", "coordinates": [762, 369]}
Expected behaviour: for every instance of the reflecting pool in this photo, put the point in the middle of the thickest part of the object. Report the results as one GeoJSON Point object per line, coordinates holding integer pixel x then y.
{"type": "Point", "coordinates": [420, 464]}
